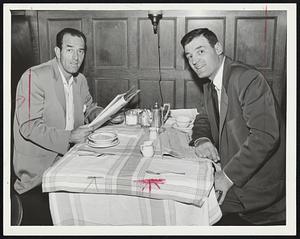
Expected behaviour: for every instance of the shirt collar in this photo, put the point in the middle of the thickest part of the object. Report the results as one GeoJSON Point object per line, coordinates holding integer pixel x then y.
{"type": "Point", "coordinates": [64, 78]}
{"type": "Point", "coordinates": [217, 81]}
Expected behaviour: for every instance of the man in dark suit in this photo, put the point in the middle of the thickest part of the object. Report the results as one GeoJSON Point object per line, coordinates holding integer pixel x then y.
{"type": "Point", "coordinates": [240, 128]}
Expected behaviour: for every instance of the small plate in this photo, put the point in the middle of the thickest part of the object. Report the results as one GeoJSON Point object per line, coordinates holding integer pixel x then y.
{"type": "Point", "coordinates": [103, 137]}
{"type": "Point", "coordinates": [103, 145]}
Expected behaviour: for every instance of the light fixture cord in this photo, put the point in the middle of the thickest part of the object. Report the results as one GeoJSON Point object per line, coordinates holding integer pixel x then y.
{"type": "Point", "coordinates": [159, 64]}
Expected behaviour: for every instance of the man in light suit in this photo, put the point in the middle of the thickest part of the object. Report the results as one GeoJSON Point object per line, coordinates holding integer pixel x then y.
{"type": "Point", "coordinates": [52, 104]}
{"type": "Point", "coordinates": [240, 128]}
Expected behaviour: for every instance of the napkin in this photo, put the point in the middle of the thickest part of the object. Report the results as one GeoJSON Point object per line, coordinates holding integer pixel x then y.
{"type": "Point", "coordinates": [174, 143]}
{"type": "Point", "coordinates": [191, 113]}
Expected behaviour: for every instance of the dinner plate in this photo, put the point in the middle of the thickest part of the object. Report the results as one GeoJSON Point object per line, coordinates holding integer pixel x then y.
{"type": "Point", "coordinates": [187, 129]}
{"type": "Point", "coordinates": [103, 145]}
{"type": "Point", "coordinates": [102, 137]}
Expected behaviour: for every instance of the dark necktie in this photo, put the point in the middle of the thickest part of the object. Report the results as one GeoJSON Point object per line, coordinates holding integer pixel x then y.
{"type": "Point", "coordinates": [214, 97]}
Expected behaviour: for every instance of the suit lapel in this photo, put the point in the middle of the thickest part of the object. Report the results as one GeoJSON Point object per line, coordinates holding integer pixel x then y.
{"type": "Point", "coordinates": [59, 87]}
{"type": "Point", "coordinates": [78, 107]}
{"type": "Point", "coordinates": [226, 72]}
{"type": "Point", "coordinates": [224, 96]}
{"type": "Point", "coordinates": [60, 93]}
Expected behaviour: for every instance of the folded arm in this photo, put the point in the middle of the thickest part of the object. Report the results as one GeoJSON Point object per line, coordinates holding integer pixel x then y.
{"type": "Point", "coordinates": [202, 138]}
{"type": "Point", "coordinates": [201, 130]}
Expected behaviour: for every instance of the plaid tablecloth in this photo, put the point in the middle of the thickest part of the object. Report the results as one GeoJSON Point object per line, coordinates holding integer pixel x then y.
{"type": "Point", "coordinates": [82, 209]}
{"type": "Point", "coordinates": [127, 173]}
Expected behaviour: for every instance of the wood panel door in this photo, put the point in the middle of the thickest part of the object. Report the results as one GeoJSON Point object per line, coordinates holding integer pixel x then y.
{"type": "Point", "coordinates": [123, 50]}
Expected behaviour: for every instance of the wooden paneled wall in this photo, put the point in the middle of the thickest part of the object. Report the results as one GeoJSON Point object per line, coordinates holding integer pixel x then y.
{"type": "Point", "coordinates": [123, 50]}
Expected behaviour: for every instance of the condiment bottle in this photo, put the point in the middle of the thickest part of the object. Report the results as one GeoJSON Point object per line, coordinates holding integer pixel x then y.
{"type": "Point", "coordinates": [145, 118]}
{"type": "Point", "coordinates": [131, 117]}
{"type": "Point", "coordinates": [156, 116]}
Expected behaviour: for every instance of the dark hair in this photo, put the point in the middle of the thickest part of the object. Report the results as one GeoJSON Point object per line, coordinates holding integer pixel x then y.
{"type": "Point", "coordinates": [208, 34]}
{"type": "Point", "coordinates": [72, 32]}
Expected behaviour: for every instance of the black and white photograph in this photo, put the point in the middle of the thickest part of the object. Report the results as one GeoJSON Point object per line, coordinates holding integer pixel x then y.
{"type": "Point", "coordinates": [149, 119]}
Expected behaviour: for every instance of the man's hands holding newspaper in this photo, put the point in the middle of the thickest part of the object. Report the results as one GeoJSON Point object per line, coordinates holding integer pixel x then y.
{"type": "Point", "coordinates": [80, 134]}
{"type": "Point", "coordinates": [113, 107]}
{"type": "Point", "coordinates": [92, 112]}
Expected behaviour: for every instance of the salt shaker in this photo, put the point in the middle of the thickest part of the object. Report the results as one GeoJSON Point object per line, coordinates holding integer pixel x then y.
{"type": "Point", "coordinates": [131, 117]}
{"type": "Point", "coordinates": [145, 118]}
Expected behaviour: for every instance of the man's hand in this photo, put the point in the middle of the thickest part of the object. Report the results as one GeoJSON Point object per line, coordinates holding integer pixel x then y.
{"type": "Point", "coordinates": [94, 113]}
{"type": "Point", "coordinates": [80, 134]}
{"type": "Point", "coordinates": [207, 150]}
{"type": "Point", "coordinates": [222, 185]}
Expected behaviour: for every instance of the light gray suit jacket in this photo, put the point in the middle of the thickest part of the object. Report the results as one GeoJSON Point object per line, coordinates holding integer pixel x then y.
{"type": "Point", "coordinates": [39, 122]}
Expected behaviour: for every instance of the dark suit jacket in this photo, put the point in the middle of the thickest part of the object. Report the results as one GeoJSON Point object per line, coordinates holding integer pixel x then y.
{"type": "Point", "coordinates": [251, 137]}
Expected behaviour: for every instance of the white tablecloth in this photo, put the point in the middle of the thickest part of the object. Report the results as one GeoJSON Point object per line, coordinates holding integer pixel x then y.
{"type": "Point", "coordinates": [119, 210]}
{"type": "Point", "coordinates": [106, 190]}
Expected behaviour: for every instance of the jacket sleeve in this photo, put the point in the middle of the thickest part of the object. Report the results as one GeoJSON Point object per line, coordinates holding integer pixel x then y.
{"type": "Point", "coordinates": [30, 100]}
{"type": "Point", "coordinates": [201, 128]}
{"type": "Point", "coordinates": [92, 109]}
{"type": "Point", "coordinates": [259, 114]}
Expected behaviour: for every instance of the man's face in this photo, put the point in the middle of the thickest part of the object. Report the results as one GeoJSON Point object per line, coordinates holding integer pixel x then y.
{"type": "Point", "coordinates": [203, 58]}
{"type": "Point", "coordinates": [71, 55]}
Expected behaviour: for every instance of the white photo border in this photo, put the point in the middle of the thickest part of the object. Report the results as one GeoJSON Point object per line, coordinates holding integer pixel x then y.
{"type": "Point", "coordinates": [288, 229]}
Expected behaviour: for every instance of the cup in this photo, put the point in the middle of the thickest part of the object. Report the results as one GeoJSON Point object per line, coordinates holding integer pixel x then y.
{"type": "Point", "coordinates": [147, 149]}
{"type": "Point", "coordinates": [131, 117]}
{"type": "Point", "coordinates": [183, 121]}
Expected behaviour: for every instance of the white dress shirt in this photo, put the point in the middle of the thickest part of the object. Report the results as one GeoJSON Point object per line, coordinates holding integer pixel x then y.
{"type": "Point", "coordinates": [217, 81]}
{"type": "Point", "coordinates": [68, 89]}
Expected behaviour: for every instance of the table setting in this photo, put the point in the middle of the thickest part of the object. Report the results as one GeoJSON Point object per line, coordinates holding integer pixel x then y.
{"type": "Point", "coordinates": [145, 166]}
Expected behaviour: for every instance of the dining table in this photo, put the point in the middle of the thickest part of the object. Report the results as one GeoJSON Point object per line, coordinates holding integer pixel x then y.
{"type": "Point", "coordinates": [117, 185]}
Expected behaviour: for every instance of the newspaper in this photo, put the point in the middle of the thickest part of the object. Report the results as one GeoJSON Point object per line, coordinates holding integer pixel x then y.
{"type": "Point", "coordinates": [113, 107]}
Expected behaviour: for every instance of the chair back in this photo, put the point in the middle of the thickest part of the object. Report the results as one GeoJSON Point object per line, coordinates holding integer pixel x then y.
{"type": "Point", "coordinates": [16, 210]}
